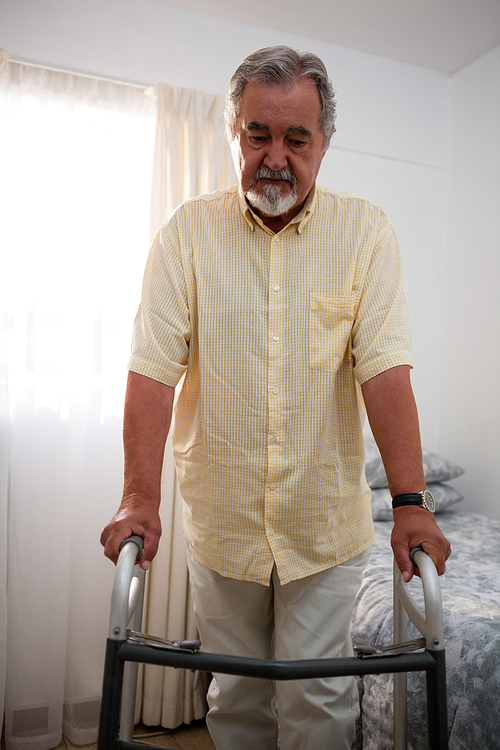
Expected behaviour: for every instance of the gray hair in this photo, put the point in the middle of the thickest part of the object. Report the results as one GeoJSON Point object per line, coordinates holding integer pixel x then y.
{"type": "Point", "coordinates": [281, 66]}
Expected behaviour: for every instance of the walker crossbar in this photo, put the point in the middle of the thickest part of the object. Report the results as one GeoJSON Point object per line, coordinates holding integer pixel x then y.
{"type": "Point", "coordinates": [116, 721]}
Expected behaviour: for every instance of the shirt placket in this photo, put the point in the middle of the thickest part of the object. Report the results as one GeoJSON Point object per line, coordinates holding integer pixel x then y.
{"type": "Point", "coordinates": [276, 394]}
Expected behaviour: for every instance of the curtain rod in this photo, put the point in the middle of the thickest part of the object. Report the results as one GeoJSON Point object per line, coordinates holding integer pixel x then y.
{"type": "Point", "coordinates": [83, 75]}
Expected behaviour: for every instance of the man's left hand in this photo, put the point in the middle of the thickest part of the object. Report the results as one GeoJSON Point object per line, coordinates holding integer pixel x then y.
{"type": "Point", "coordinates": [417, 527]}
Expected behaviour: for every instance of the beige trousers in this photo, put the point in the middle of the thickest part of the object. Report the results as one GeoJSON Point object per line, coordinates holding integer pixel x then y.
{"type": "Point", "coordinates": [304, 619]}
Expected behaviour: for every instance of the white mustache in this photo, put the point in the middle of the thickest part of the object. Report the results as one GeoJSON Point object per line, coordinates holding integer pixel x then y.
{"type": "Point", "coordinates": [264, 173]}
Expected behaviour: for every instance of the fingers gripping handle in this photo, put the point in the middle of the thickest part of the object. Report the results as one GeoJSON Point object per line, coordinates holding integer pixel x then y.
{"type": "Point", "coordinates": [413, 552]}
{"type": "Point", "coordinates": [137, 540]}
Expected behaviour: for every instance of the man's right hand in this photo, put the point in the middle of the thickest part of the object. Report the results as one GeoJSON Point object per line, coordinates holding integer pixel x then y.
{"type": "Point", "coordinates": [136, 515]}
{"type": "Point", "coordinates": [148, 409]}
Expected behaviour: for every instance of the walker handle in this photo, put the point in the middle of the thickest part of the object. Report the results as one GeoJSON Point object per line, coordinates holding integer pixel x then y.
{"type": "Point", "coordinates": [413, 552]}
{"type": "Point", "coordinates": [137, 540]}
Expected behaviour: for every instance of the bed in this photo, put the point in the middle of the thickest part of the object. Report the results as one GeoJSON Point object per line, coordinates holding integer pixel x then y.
{"type": "Point", "coordinates": [471, 605]}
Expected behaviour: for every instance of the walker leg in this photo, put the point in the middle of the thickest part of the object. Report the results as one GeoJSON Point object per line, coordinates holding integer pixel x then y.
{"type": "Point", "coordinates": [130, 675]}
{"type": "Point", "coordinates": [400, 678]}
{"type": "Point", "coordinates": [111, 697]}
{"type": "Point", "coordinates": [437, 703]}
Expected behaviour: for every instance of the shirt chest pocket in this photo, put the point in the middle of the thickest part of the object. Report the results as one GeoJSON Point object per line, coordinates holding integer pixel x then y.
{"type": "Point", "coordinates": [330, 324]}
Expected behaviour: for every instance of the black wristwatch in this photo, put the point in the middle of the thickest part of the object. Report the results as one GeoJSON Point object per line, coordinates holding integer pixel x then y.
{"type": "Point", "coordinates": [422, 499]}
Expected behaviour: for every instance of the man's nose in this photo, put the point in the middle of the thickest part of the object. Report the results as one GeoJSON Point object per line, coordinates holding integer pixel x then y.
{"type": "Point", "coordinates": [276, 156]}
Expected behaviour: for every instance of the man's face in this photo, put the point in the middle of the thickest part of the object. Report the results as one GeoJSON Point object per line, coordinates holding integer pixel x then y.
{"type": "Point", "coordinates": [278, 146]}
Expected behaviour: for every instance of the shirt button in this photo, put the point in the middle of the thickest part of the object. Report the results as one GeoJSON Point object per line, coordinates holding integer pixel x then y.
{"type": "Point", "coordinates": [276, 338]}
{"type": "Point", "coordinates": [276, 390]}
{"type": "Point", "coordinates": [276, 287]}
{"type": "Point", "coordinates": [272, 438]}
{"type": "Point", "coordinates": [276, 238]}
{"type": "Point", "coordinates": [272, 487]}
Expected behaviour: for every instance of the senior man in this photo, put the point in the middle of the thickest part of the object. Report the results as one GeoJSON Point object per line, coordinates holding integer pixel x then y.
{"type": "Point", "coordinates": [280, 302]}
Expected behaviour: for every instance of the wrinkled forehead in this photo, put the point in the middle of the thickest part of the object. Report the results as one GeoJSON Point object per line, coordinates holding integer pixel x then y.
{"type": "Point", "coordinates": [295, 107]}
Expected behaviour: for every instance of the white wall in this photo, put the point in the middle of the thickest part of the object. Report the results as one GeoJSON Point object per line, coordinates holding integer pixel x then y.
{"type": "Point", "coordinates": [470, 396]}
{"type": "Point", "coordinates": [390, 144]}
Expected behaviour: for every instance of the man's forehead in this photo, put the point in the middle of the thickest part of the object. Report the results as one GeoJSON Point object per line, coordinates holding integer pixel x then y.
{"type": "Point", "coordinates": [295, 106]}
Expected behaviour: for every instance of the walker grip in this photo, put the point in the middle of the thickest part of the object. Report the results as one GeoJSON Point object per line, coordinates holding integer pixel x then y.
{"type": "Point", "coordinates": [137, 540]}
{"type": "Point", "coordinates": [413, 552]}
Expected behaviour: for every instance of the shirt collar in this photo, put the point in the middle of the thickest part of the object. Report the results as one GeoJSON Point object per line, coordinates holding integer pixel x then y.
{"type": "Point", "coordinates": [299, 221]}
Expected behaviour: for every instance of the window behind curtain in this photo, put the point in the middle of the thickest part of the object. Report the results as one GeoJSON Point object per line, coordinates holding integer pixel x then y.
{"type": "Point", "coordinates": [76, 160]}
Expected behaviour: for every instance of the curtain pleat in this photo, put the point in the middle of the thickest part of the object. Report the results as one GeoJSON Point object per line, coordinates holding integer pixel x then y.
{"type": "Point", "coordinates": [4, 486]}
{"type": "Point", "coordinates": [192, 156]}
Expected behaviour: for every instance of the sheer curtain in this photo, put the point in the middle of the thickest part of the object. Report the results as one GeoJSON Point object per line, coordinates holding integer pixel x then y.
{"type": "Point", "coordinates": [191, 157]}
{"type": "Point", "coordinates": [76, 167]}
{"type": "Point", "coordinates": [75, 185]}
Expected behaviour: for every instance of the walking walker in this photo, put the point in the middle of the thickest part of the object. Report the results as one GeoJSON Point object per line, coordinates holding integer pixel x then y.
{"type": "Point", "coordinates": [127, 647]}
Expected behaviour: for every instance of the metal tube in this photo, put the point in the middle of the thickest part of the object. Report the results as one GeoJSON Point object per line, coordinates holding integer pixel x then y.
{"type": "Point", "coordinates": [400, 678]}
{"type": "Point", "coordinates": [432, 599]}
{"type": "Point", "coordinates": [275, 670]}
{"type": "Point", "coordinates": [111, 696]}
{"type": "Point", "coordinates": [136, 601]}
{"type": "Point", "coordinates": [437, 702]}
{"type": "Point", "coordinates": [125, 745]}
{"type": "Point", "coordinates": [431, 626]}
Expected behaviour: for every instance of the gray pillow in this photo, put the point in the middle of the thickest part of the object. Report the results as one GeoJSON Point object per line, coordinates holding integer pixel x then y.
{"type": "Point", "coordinates": [436, 468]}
{"type": "Point", "coordinates": [443, 494]}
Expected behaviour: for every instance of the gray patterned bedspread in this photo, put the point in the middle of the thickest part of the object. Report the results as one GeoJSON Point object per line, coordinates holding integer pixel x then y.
{"type": "Point", "coordinates": [471, 605]}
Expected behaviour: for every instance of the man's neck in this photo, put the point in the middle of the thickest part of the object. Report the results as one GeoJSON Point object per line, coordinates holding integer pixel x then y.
{"type": "Point", "coordinates": [276, 223]}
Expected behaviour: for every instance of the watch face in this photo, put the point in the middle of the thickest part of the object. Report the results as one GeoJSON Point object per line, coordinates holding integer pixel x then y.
{"type": "Point", "coordinates": [428, 501]}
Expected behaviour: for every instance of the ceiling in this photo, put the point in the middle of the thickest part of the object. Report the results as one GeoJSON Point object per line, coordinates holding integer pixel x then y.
{"type": "Point", "coordinates": [443, 35]}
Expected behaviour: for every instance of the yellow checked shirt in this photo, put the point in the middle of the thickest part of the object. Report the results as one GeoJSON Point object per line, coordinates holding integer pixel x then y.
{"type": "Point", "coordinates": [274, 334]}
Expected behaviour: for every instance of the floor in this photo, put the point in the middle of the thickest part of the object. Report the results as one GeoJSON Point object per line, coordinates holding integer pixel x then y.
{"type": "Point", "coordinates": [192, 737]}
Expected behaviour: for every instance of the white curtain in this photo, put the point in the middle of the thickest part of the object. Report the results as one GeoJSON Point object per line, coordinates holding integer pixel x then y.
{"type": "Point", "coordinates": [76, 160]}
{"type": "Point", "coordinates": [191, 157]}
{"type": "Point", "coordinates": [76, 157]}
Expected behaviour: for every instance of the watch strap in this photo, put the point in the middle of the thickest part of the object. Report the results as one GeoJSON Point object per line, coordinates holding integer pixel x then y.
{"type": "Point", "coordinates": [408, 498]}
{"type": "Point", "coordinates": [421, 499]}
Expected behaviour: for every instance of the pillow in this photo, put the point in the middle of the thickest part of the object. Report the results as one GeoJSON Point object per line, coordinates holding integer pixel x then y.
{"type": "Point", "coordinates": [436, 468]}
{"type": "Point", "coordinates": [443, 494]}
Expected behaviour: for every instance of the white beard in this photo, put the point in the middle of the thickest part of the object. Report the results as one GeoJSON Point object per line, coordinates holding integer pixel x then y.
{"type": "Point", "coordinates": [271, 202]}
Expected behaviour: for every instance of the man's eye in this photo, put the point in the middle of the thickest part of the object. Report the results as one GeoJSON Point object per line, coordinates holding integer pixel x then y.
{"type": "Point", "coordinates": [298, 144]}
{"type": "Point", "coordinates": [257, 138]}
